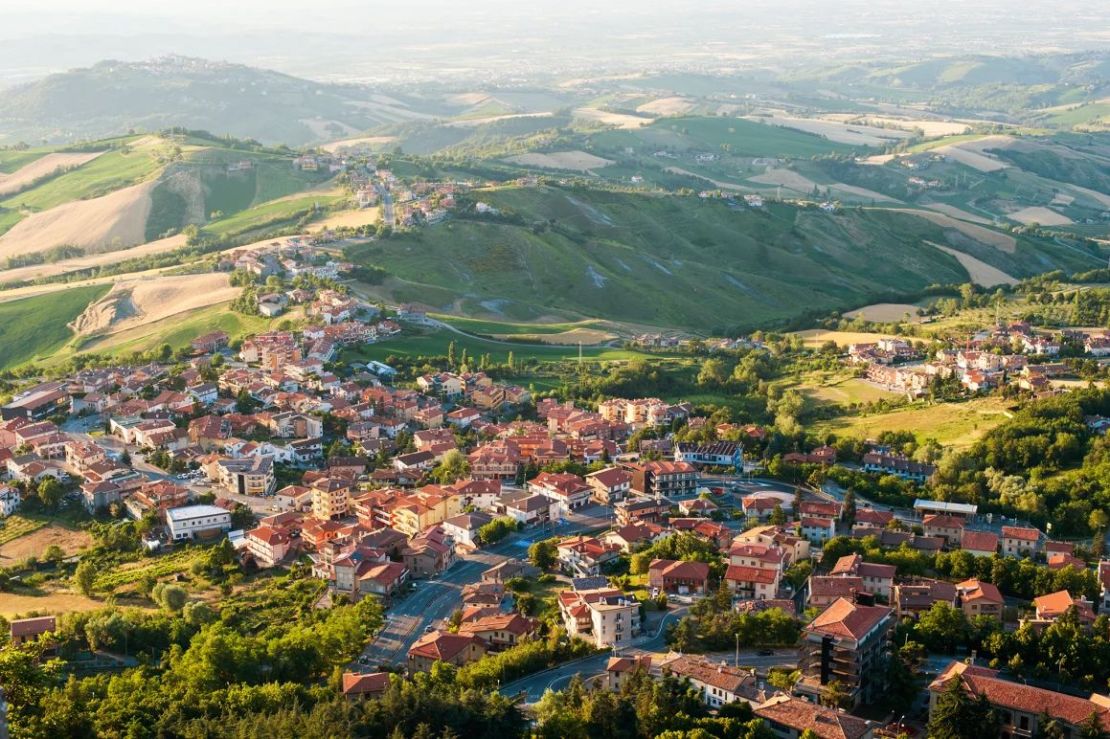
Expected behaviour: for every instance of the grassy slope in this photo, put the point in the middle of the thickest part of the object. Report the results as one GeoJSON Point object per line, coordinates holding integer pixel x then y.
{"type": "Point", "coordinates": [435, 344]}
{"type": "Point", "coordinates": [268, 215]}
{"type": "Point", "coordinates": [741, 137]}
{"type": "Point", "coordinates": [36, 327]}
{"type": "Point", "coordinates": [668, 261]}
{"type": "Point", "coordinates": [108, 172]}
{"type": "Point", "coordinates": [13, 159]}
{"type": "Point", "coordinates": [956, 424]}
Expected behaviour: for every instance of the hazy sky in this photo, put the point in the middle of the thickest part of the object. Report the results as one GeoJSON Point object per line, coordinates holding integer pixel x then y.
{"type": "Point", "coordinates": [370, 38]}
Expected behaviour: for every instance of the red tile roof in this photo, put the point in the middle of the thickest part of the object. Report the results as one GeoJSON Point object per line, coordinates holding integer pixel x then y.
{"type": "Point", "coordinates": [846, 619]}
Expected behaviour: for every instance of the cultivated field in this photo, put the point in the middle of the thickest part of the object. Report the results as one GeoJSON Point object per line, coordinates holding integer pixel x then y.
{"type": "Point", "coordinates": [336, 147]}
{"type": "Point", "coordinates": [885, 312]}
{"type": "Point", "coordinates": [801, 184]}
{"type": "Point", "coordinates": [955, 212]}
{"type": "Point", "coordinates": [817, 336]}
{"type": "Point", "coordinates": [998, 240]}
{"type": "Point", "coordinates": [1039, 214]}
{"type": "Point", "coordinates": [39, 271]}
{"type": "Point", "coordinates": [348, 219]}
{"type": "Point", "coordinates": [59, 602]}
{"type": "Point", "coordinates": [38, 541]}
{"type": "Point", "coordinates": [585, 336]}
{"type": "Point", "coordinates": [619, 120]}
{"type": "Point", "coordinates": [578, 161]}
{"type": "Point", "coordinates": [843, 133]}
{"type": "Point", "coordinates": [28, 174]}
{"type": "Point", "coordinates": [667, 106]}
{"type": "Point", "coordinates": [970, 153]}
{"type": "Point", "coordinates": [114, 221]}
{"type": "Point", "coordinates": [136, 303]}
{"type": "Point", "coordinates": [979, 271]}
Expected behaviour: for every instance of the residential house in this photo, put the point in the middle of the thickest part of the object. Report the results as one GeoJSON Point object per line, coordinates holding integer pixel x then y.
{"type": "Point", "coordinates": [442, 646]}
{"type": "Point", "coordinates": [1020, 541]}
{"type": "Point", "coordinates": [604, 616]}
{"type": "Point", "coordinates": [360, 686]}
{"type": "Point", "coordinates": [949, 528]}
{"type": "Point", "coordinates": [609, 486]}
{"type": "Point", "coordinates": [678, 577]}
{"type": "Point", "coordinates": [977, 598]}
{"type": "Point", "coordinates": [716, 683]}
{"type": "Point", "coordinates": [979, 543]}
{"type": "Point", "coordinates": [1020, 707]}
{"type": "Point", "coordinates": [26, 630]}
{"type": "Point", "coordinates": [663, 479]}
{"type": "Point", "coordinates": [500, 631]}
{"type": "Point", "coordinates": [790, 718]}
{"type": "Point", "coordinates": [582, 556]}
{"type": "Point", "coordinates": [877, 579]}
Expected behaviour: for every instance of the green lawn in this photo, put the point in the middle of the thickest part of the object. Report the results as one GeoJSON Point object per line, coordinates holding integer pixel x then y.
{"type": "Point", "coordinates": [36, 327]}
{"type": "Point", "coordinates": [435, 344]}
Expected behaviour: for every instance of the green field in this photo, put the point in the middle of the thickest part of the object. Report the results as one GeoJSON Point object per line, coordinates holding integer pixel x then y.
{"type": "Point", "coordinates": [435, 343]}
{"type": "Point", "coordinates": [507, 328]}
{"type": "Point", "coordinates": [105, 174]}
{"type": "Point", "coordinates": [13, 159]}
{"type": "Point", "coordinates": [36, 327]}
{"type": "Point", "coordinates": [673, 261]}
{"type": "Point", "coordinates": [951, 424]}
{"type": "Point", "coordinates": [270, 215]}
{"type": "Point", "coordinates": [179, 331]}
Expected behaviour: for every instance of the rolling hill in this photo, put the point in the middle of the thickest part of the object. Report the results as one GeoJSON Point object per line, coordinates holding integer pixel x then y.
{"type": "Point", "coordinates": [679, 262]}
{"type": "Point", "coordinates": [113, 97]}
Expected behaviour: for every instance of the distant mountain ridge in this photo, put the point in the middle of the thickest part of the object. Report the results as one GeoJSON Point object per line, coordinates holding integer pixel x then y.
{"type": "Point", "coordinates": [111, 98]}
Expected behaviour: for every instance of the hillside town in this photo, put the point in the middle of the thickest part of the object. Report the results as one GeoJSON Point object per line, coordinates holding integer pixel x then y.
{"type": "Point", "coordinates": [483, 520]}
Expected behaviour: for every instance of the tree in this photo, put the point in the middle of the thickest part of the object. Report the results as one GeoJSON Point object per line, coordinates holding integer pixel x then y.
{"type": "Point", "coordinates": [496, 530]}
{"type": "Point", "coordinates": [169, 596]}
{"type": "Point", "coordinates": [942, 627]}
{"type": "Point", "coordinates": [778, 516]}
{"type": "Point", "coordinates": [453, 467]}
{"type": "Point", "coordinates": [1099, 520]}
{"type": "Point", "coordinates": [84, 576]}
{"type": "Point", "coordinates": [1091, 728]}
{"type": "Point", "coordinates": [835, 694]}
{"type": "Point", "coordinates": [543, 554]}
{"type": "Point", "coordinates": [50, 493]}
{"type": "Point", "coordinates": [957, 714]}
{"type": "Point", "coordinates": [684, 636]}
{"type": "Point", "coordinates": [849, 513]}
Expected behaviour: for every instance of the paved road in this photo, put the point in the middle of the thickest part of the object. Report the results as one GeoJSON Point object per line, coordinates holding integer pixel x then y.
{"type": "Point", "coordinates": [436, 599]}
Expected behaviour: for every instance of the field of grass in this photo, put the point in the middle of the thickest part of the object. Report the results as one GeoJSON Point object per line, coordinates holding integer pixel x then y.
{"type": "Point", "coordinates": [270, 215]}
{"type": "Point", "coordinates": [839, 388]}
{"type": "Point", "coordinates": [107, 173]}
{"type": "Point", "coordinates": [508, 328]}
{"type": "Point", "coordinates": [435, 343]}
{"type": "Point", "coordinates": [36, 327]}
{"type": "Point", "coordinates": [178, 331]}
{"type": "Point", "coordinates": [953, 424]}
{"type": "Point", "coordinates": [13, 159]}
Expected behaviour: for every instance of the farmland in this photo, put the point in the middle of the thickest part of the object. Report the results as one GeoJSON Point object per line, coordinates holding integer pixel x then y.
{"type": "Point", "coordinates": [37, 326]}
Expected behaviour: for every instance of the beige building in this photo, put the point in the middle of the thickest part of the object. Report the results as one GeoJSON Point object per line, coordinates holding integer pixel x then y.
{"type": "Point", "coordinates": [605, 616]}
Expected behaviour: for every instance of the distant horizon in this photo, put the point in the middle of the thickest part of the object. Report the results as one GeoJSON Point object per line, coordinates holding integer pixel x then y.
{"type": "Point", "coordinates": [342, 40]}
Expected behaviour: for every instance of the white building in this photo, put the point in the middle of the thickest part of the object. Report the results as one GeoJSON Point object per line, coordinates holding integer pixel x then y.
{"type": "Point", "coordinates": [189, 522]}
{"type": "Point", "coordinates": [9, 501]}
